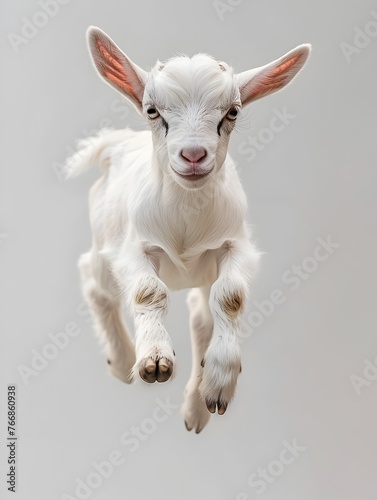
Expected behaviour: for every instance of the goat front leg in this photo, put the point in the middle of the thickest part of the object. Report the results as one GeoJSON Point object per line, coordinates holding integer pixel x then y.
{"type": "Point", "coordinates": [147, 298]}
{"type": "Point", "coordinates": [222, 361]}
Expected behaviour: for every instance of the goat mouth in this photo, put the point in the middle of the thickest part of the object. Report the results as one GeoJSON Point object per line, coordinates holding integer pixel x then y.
{"type": "Point", "coordinates": [193, 177]}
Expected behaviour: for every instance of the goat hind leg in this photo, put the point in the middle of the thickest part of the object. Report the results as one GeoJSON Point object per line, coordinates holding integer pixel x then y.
{"type": "Point", "coordinates": [194, 409]}
{"type": "Point", "coordinates": [102, 295]}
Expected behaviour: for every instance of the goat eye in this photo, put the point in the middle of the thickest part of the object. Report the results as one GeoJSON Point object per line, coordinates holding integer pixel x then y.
{"type": "Point", "coordinates": [153, 113]}
{"type": "Point", "coordinates": [232, 114]}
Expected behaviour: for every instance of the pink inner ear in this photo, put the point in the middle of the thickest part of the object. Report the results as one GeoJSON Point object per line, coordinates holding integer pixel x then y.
{"type": "Point", "coordinates": [113, 69]}
{"type": "Point", "coordinates": [272, 79]}
{"type": "Point", "coordinates": [111, 59]}
{"type": "Point", "coordinates": [284, 66]}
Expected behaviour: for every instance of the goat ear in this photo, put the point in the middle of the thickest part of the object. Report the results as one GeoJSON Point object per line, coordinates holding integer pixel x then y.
{"type": "Point", "coordinates": [259, 82]}
{"type": "Point", "coordinates": [115, 67]}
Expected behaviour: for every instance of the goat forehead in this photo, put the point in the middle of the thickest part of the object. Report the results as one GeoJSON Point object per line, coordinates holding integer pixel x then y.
{"type": "Point", "coordinates": [184, 81]}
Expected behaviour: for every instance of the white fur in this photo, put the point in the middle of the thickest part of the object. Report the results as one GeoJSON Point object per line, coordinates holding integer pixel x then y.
{"type": "Point", "coordinates": [155, 231]}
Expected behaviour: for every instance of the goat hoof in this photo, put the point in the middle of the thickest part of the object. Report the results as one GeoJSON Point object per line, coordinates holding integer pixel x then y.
{"type": "Point", "coordinates": [194, 410]}
{"type": "Point", "coordinates": [108, 362]}
{"type": "Point", "coordinates": [159, 370]}
{"type": "Point", "coordinates": [211, 406]}
{"type": "Point", "coordinates": [148, 371]}
{"type": "Point", "coordinates": [187, 426]}
{"type": "Point", "coordinates": [221, 407]}
{"type": "Point", "coordinates": [164, 370]}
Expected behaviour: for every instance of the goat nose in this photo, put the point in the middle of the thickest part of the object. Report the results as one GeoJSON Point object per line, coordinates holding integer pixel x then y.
{"type": "Point", "coordinates": [193, 155]}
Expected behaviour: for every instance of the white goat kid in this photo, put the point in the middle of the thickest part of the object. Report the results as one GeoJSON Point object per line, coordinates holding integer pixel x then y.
{"type": "Point", "coordinates": [169, 213]}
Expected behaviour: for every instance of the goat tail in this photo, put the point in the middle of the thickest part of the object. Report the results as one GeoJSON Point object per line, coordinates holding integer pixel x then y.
{"type": "Point", "coordinates": [92, 151]}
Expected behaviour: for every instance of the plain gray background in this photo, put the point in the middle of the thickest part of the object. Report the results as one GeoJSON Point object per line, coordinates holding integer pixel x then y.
{"type": "Point", "coordinates": [313, 179]}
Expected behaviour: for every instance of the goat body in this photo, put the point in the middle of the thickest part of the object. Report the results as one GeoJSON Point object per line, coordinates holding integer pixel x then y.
{"type": "Point", "coordinates": [169, 213]}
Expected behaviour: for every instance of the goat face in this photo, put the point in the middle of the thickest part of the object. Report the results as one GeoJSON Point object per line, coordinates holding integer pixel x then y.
{"type": "Point", "coordinates": [191, 104]}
